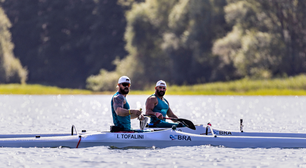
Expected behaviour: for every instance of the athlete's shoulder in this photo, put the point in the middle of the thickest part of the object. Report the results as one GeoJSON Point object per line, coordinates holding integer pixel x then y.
{"type": "Point", "coordinates": [118, 96]}
{"type": "Point", "coordinates": [152, 99]}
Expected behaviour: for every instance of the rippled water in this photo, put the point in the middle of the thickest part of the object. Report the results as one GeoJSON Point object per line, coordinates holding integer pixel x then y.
{"type": "Point", "coordinates": [51, 114]}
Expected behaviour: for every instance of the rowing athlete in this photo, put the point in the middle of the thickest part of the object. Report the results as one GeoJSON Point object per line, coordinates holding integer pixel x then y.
{"type": "Point", "coordinates": [158, 107]}
{"type": "Point", "coordinates": [121, 112]}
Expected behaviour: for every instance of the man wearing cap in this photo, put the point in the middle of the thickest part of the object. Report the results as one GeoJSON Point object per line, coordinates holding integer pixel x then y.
{"type": "Point", "coordinates": [158, 107]}
{"type": "Point", "coordinates": [122, 114]}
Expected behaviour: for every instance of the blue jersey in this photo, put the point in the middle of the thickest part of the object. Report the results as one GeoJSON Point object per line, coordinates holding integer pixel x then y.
{"type": "Point", "coordinates": [123, 122]}
{"type": "Point", "coordinates": [161, 107]}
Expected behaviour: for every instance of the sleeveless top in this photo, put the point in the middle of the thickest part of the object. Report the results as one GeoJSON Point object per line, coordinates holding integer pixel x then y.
{"type": "Point", "coordinates": [119, 121]}
{"type": "Point", "coordinates": [162, 107]}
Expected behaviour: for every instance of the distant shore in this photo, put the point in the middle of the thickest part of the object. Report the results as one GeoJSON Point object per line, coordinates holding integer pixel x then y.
{"type": "Point", "coordinates": [31, 89]}
{"type": "Point", "coordinates": [293, 86]}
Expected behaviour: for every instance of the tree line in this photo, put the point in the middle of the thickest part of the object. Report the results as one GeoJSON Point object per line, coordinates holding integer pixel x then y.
{"type": "Point", "coordinates": [62, 42]}
{"type": "Point", "coordinates": [91, 43]}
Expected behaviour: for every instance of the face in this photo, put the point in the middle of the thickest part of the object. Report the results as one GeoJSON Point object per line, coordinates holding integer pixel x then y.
{"type": "Point", "coordinates": [124, 88]}
{"type": "Point", "coordinates": [160, 90]}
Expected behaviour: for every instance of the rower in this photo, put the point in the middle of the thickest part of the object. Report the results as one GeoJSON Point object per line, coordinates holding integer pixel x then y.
{"type": "Point", "coordinates": [158, 108]}
{"type": "Point", "coordinates": [121, 112]}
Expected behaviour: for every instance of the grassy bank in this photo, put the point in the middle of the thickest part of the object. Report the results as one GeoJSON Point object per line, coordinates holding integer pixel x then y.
{"type": "Point", "coordinates": [283, 87]}
{"type": "Point", "coordinates": [286, 86]}
{"type": "Point", "coordinates": [38, 90]}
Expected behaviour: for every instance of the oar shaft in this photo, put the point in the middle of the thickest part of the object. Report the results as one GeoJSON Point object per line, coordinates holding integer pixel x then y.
{"type": "Point", "coordinates": [170, 118]}
{"type": "Point", "coordinates": [185, 122]}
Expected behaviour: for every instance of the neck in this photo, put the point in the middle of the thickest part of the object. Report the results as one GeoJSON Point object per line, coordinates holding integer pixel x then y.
{"type": "Point", "coordinates": [161, 97]}
{"type": "Point", "coordinates": [122, 93]}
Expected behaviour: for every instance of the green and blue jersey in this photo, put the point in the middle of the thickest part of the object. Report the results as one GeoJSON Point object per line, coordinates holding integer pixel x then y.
{"type": "Point", "coordinates": [123, 122]}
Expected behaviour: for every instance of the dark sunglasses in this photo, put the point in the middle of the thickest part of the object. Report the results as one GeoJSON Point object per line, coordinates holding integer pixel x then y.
{"type": "Point", "coordinates": [126, 84]}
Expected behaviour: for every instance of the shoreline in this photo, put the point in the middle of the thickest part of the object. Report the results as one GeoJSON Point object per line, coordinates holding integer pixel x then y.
{"type": "Point", "coordinates": [290, 86]}
{"type": "Point", "coordinates": [18, 89]}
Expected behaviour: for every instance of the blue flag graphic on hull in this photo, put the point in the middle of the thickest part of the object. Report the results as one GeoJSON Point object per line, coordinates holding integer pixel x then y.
{"type": "Point", "coordinates": [180, 137]}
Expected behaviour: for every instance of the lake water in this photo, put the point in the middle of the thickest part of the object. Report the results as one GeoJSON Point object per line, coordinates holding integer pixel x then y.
{"type": "Point", "coordinates": [52, 114]}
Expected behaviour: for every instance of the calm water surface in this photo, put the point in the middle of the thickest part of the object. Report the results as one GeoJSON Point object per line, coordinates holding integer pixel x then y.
{"type": "Point", "coordinates": [51, 114]}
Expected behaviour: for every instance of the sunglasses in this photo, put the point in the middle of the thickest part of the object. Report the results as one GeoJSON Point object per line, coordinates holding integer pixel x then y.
{"type": "Point", "coordinates": [126, 84]}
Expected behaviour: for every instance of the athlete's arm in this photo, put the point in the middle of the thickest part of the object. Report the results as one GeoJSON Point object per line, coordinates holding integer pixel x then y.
{"type": "Point", "coordinates": [170, 113]}
{"type": "Point", "coordinates": [118, 103]}
{"type": "Point", "coordinates": [150, 104]}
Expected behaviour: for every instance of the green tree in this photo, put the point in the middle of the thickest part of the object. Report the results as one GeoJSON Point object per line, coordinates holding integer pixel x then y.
{"type": "Point", "coordinates": [62, 42]}
{"type": "Point", "coordinates": [146, 61]}
{"type": "Point", "coordinates": [169, 40]}
{"type": "Point", "coordinates": [267, 38]}
{"type": "Point", "coordinates": [291, 26]}
{"type": "Point", "coordinates": [11, 70]}
{"type": "Point", "coordinates": [194, 25]}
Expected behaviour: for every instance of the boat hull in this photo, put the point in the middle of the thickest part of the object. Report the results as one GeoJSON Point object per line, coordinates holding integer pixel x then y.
{"type": "Point", "coordinates": [59, 141]}
{"type": "Point", "coordinates": [176, 138]}
{"type": "Point", "coordinates": [28, 135]}
{"type": "Point", "coordinates": [200, 130]}
{"type": "Point", "coordinates": [203, 130]}
{"type": "Point", "coordinates": [158, 139]}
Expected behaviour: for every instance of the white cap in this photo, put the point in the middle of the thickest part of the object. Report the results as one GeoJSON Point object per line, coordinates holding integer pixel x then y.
{"type": "Point", "coordinates": [161, 83]}
{"type": "Point", "coordinates": [124, 79]}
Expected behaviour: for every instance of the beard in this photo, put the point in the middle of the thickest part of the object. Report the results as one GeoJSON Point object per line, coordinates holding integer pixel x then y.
{"type": "Point", "coordinates": [160, 93]}
{"type": "Point", "coordinates": [124, 90]}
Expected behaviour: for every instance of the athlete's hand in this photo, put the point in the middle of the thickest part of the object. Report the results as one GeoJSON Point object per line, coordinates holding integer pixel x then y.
{"type": "Point", "coordinates": [137, 112]}
{"type": "Point", "coordinates": [159, 115]}
{"type": "Point", "coordinates": [141, 117]}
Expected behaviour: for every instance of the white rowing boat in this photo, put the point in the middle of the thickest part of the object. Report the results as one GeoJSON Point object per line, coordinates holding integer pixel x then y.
{"type": "Point", "coordinates": [200, 130]}
{"type": "Point", "coordinates": [206, 130]}
{"type": "Point", "coordinates": [160, 139]}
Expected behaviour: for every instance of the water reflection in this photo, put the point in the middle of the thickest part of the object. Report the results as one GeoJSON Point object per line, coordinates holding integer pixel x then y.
{"type": "Point", "coordinates": [58, 113]}
{"type": "Point", "coordinates": [31, 114]}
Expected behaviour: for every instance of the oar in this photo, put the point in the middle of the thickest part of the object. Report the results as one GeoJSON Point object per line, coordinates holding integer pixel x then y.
{"type": "Point", "coordinates": [185, 122]}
